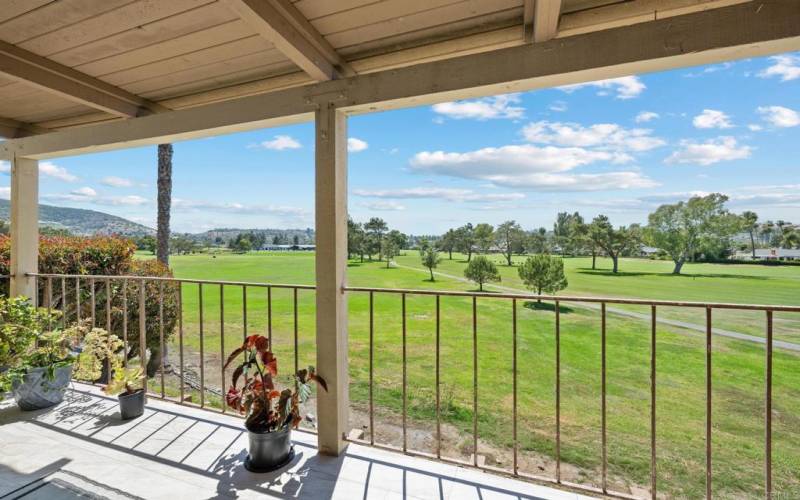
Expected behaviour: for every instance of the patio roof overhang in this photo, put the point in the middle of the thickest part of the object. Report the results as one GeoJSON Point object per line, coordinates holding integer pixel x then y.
{"type": "Point", "coordinates": [79, 77]}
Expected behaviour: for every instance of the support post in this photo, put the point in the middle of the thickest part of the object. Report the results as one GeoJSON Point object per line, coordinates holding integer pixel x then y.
{"type": "Point", "coordinates": [331, 267]}
{"type": "Point", "coordinates": [24, 226]}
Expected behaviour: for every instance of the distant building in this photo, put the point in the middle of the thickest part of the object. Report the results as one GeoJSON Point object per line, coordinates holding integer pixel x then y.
{"type": "Point", "coordinates": [288, 248]}
{"type": "Point", "coordinates": [647, 251]}
{"type": "Point", "coordinates": [769, 254]}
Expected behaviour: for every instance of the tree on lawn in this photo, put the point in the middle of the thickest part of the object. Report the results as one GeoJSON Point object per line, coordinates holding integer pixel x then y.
{"type": "Point", "coordinates": [543, 273]}
{"type": "Point", "coordinates": [448, 242]}
{"type": "Point", "coordinates": [389, 250]}
{"type": "Point", "coordinates": [680, 229]}
{"type": "Point", "coordinates": [430, 259]}
{"type": "Point", "coordinates": [481, 270]}
{"type": "Point", "coordinates": [750, 224]}
{"type": "Point", "coordinates": [538, 241]}
{"type": "Point", "coordinates": [465, 240]}
{"type": "Point", "coordinates": [614, 242]}
{"type": "Point", "coordinates": [484, 237]}
{"type": "Point", "coordinates": [375, 228]}
{"type": "Point", "coordinates": [508, 236]}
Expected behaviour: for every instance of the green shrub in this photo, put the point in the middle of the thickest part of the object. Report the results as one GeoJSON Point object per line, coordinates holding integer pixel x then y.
{"type": "Point", "coordinates": [103, 255]}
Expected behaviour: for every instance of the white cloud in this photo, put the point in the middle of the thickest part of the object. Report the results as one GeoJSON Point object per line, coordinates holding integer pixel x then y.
{"type": "Point", "coordinates": [89, 195]}
{"type": "Point", "coordinates": [646, 116]}
{"type": "Point", "coordinates": [778, 116]}
{"type": "Point", "coordinates": [50, 169]}
{"type": "Point", "coordinates": [710, 69]}
{"type": "Point", "coordinates": [712, 151]}
{"type": "Point", "coordinates": [238, 208]}
{"type": "Point", "coordinates": [604, 136]}
{"type": "Point", "coordinates": [712, 118]}
{"type": "Point", "coordinates": [786, 67]}
{"type": "Point", "coordinates": [449, 194]}
{"type": "Point", "coordinates": [754, 127]}
{"type": "Point", "coordinates": [383, 205]}
{"type": "Point", "coordinates": [529, 166]}
{"type": "Point", "coordinates": [487, 108]}
{"type": "Point", "coordinates": [626, 87]}
{"type": "Point", "coordinates": [356, 145]}
{"type": "Point", "coordinates": [558, 106]}
{"type": "Point", "coordinates": [85, 191]}
{"type": "Point", "coordinates": [118, 182]}
{"type": "Point", "coordinates": [5, 193]}
{"type": "Point", "coordinates": [278, 143]}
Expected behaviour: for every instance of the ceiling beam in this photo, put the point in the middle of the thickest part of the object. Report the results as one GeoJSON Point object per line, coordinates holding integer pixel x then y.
{"type": "Point", "coordinates": [540, 18]}
{"type": "Point", "coordinates": [279, 22]}
{"type": "Point", "coordinates": [13, 129]}
{"type": "Point", "coordinates": [750, 29]}
{"type": "Point", "coordinates": [78, 87]}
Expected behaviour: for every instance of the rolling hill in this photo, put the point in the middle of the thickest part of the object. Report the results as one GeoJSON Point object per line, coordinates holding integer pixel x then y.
{"type": "Point", "coordinates": [82, 222]}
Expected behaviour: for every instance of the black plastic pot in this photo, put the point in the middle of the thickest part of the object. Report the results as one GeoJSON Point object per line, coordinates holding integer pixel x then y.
{"type": "Point", "coordinates": [269, 450]}
{"type": "Point", "coordinates": [131, 405]}
{"type": "Point", "coordinates": [35, 391]}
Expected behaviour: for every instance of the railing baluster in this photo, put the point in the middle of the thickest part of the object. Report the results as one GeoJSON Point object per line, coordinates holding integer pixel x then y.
{"type": "Point", "coordinates": [405, 391]}
{"type": "Point", "coordinates": [125, 322]}
{"type": "Point", "coordinates": [93, 298]}
{"type": "Point", "coordinates": [475, 381]}
{"type": "Point", "coordinates": [653, 490]}
{"type": "Point", "coordinates": [371, 368]}
{"type": "Point", "coordinates": [438, 381]}
{"type": "Point", "coordinates": [108, 305]}
{"type": "Point", "coordinates": [49, 292]}
{"type": "Point", "coordinates": [269, 316]}
{"type": "Point", "coordinates": [222, 342]}
{"type": "Point", "coordinates": [63, 302]}
{"type": "Point", "coordinates": [558, 392]}
{"type": "Point", "coordinates": [296, 338]}
{"type": "Point", "coordinates": [77, 300]}
{"type": "Point", "coordinates": [768, 411]}
{"type": "Point", "coordinates": [708, 402]}
{"type": "Point", "coordinates": [603, 396]}
{"type": "Point", "coordinates": [202, 363]}
{"type": "Point", "coordinates": [143, 332]}
{"type": "Point", "coordinates": [244, 312]}
{"type": "Point", "coordinates": [514, 383]}
{"type": "Point", "coordinates": [161, 334]}
{"type": "Point", "coordinates": [180, 338]}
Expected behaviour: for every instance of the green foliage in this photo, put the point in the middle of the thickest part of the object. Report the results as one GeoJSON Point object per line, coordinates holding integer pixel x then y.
{"type": "Point", "coordinates": [683, 228]}
{"type": "Point", "coordinates": [509, 237]}
{"type": "Point", "coordinates": [543, 273]}
{"type": "Point", "coordinates": [266, 409]}
{"type": "Point", "coordinates": [614, 242]}
{"type": "Point", "coordinates": [465, 240]}
{"type": "Point", "coordinates": [125, 381]}
{"type": "Point", "coordinates": [49, 350]}
{"type": "Point", "coordinates": [389, 249]}
{"type": "Point", "coordinates": [484, 237]}
{"type": "Point", "coordinates": [481, 270]}
{"type": "Point", "coordinates": [430, 259]}
{"type": "Point", "coordinates": [99, 348]}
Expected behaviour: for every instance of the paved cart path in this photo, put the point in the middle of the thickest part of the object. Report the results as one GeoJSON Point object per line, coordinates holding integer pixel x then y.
{"type": "Point", "coordinates": [778, 344]}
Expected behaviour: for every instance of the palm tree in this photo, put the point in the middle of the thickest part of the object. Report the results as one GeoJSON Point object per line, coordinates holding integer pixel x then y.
{"type": "Point", "coordinates": [164, 200]}
{"type": "Point", "coordinates": [750, 222]}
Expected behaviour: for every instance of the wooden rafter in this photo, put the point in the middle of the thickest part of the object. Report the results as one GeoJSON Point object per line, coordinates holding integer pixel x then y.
{"type": "Point", "coordinates": [13, 129]}
{"type": "Point", "coordinates": [56, 78]}
{"type": "Point", "coordinates": [540, 18]}
{"type": "Point", "coordinates": [285, 27]}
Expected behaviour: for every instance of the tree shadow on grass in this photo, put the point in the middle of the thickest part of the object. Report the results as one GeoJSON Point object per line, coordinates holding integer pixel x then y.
{"type": "Point", "coordinates": [547, 306]}
{"type": "Point", "coordinates": [607, 272]}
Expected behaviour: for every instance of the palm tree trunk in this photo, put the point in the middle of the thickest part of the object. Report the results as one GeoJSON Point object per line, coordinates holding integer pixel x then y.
{"type": "Point", "coordinates": [164, 201]}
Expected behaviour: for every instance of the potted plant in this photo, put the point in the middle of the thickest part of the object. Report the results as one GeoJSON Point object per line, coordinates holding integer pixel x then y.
{"type": "Point", "coordinates": [42, 373]}
{"type": "Point", "coordinates": [127, 385]}
{"type": "Point", "coordinates": [99, 355]}
{"type": "Point", "coordinates": [20, 324]}
{"type": "Point", "coordinates": [270, 413]}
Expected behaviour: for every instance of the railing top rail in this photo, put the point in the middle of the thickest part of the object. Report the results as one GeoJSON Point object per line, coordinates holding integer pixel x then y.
{"type": "Point", "coordinates": [575, 298]}
{"type": "Point", "coordinates": [448, 293]}
{"type": "Point", "coordinates": [168, 279]}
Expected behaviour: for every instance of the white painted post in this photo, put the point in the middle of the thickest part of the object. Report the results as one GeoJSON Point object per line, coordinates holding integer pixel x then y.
{"type": "Point", "coordinates": [24, 226]}
{"type": "Point", "coordinates": [331, 262]}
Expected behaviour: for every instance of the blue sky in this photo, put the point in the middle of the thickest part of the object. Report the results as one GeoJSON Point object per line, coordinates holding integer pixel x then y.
{"type": "Point", "coordinates": [619, 147]}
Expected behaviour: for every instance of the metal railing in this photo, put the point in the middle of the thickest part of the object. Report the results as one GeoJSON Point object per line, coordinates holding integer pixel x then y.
{"type": "Point", "coordinates": [708, 307]}
{"type": "Point", "coordinates": [76, 297]}
{"type": "Point", "coordinates": [86, 287]}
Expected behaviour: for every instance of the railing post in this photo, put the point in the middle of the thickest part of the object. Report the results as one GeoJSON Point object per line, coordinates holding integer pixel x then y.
{"type": "Point", "coordinates": [24, 226]}
{"type": "Point", "coordinates": [331, 267]}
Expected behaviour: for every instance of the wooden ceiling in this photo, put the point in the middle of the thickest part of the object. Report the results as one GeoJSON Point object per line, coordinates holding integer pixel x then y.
{"type": "Point", "coordinates": [66, 63]}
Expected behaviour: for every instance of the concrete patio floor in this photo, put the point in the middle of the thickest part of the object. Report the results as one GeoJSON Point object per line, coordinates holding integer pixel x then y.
{"type": "Point", "coordinates": [81, 449]}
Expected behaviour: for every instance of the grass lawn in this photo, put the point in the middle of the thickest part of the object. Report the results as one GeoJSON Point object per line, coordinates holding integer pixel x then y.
{"type": "Point", "coordinates": [738, 367]}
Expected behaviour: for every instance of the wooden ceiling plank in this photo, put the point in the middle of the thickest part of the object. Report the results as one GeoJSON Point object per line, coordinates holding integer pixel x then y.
{"type": "Point", "coordinates": [544, 25]}
{"type": "Point", "coordinates": [14, 8]}
{"type": "Point", "coordinates": [272, 24]}
{"type": "Point", "coordinates": [71, 84]}
{"type": "Point", "coordinates": [54, 16]}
